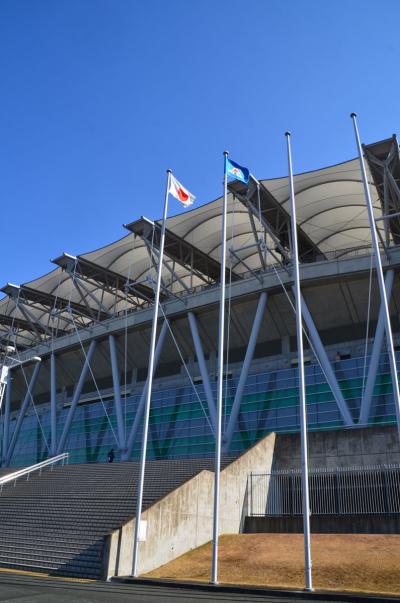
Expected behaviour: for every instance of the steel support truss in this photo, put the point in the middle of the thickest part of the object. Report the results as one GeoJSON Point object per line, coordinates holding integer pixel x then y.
{"type": "Point", "coordinates": [85, 274]}
{"type": "Point", "coordinates": [181, 251]}
{"type": "Point", "coordinates": [275, 220]}
{"type": "Point", "coordinates": [53, 305]}
{"type": "Point", "coordinates": [384, 164]}
{"type": "Point", "coordinates": [15, 326]}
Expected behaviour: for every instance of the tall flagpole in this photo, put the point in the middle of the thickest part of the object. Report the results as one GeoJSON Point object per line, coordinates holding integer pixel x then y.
{"type": "Point", "coordinates": [218, 433]}
{"type": "Point", "coordinates": [302, 389]}
{"type": "Point", "coordinates": [379, 273]}
{"type": "Point", "coordinates": [150, 384]}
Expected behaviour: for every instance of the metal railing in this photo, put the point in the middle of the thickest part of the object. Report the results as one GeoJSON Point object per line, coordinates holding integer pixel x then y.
{"type": "Point", "coordinates": [339, 491]}
{"type": "Point", "coordinates": [26, 471]}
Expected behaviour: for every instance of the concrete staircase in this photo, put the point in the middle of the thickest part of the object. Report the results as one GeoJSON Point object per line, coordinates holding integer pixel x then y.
{"type": "Point", "coordinates": [56, 522]}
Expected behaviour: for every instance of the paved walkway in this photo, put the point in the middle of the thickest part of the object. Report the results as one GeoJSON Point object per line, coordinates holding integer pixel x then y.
{"type": "Point", "coordinates": [18, 588]}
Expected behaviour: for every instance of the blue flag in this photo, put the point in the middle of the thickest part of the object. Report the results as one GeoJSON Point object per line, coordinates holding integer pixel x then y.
{"type": "Point", "coordinates": [237, 171]}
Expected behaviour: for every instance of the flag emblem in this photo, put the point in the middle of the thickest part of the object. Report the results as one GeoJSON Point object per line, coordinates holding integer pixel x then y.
{"type": "Point", "coordinates": [236, 171]}
{"type": "Point", "coordinates": [177, 190]}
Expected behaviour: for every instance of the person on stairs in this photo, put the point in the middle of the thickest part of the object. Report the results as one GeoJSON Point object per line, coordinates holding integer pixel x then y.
{"type": "Point", "coordinates": [111, 455]}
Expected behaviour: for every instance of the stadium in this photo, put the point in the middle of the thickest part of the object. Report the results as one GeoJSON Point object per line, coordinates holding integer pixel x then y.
{"type": "Point", "coordinates": [89, 322]}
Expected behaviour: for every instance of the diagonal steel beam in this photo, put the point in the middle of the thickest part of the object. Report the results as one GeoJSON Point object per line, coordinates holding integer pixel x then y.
{"type": "Point", "coordinates": [117, 394]}
{"type": "Point", "coordinates": [227, 438]}
{"type": "Point", "coordinates": [274, 218]}
{"type": "Point", "coordinates": [102, 277]}
{"type": "Point", "coordinates": [76, 396]}
{"type": "Point", "coordinates": [257, 240]}
{"type": "Point", "coordinates": [203, 368]}
{"type": "Point", "coordinates": [22, 324]}
{"type": "Point", "coordinates": [326, 365]}
{"type": "Point", "coordinates": [184, 253]}
{"type": "Point", "coordinates": [48, 300]}
{"type": "Point", "coordinates": [30, 317]}
{"type": "Point", "coordinates": [383, 159]}
{"type": "Point", "coordinates": [375, 355]}
{"type": "Point", "coordinates": [142, 401]}
{"type": "Point", "coordinates": [22, 413]}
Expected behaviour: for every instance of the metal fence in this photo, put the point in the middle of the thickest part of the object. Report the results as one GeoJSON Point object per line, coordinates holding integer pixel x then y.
{"type": "Point", "coordinates": [340, 491]}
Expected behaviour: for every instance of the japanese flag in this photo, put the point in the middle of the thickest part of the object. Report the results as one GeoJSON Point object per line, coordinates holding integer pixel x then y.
{"type": "Point", "coordinates": [180, 192]}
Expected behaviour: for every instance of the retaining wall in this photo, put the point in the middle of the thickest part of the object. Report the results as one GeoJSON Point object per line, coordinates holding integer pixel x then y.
{"type": "Point", "coordinates": [326, 524]}
{"type": "Point", "coordinates": [378, 445]}
{"type": "Point", "coordinates": [182, 520]}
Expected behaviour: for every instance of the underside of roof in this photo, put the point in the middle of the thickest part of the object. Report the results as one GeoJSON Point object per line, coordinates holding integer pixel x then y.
{"type": "Point", "coordinates": [118, 278]}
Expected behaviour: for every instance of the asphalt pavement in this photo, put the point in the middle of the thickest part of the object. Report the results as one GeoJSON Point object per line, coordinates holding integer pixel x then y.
{"type": "Point", "coordinates": [19, 588]}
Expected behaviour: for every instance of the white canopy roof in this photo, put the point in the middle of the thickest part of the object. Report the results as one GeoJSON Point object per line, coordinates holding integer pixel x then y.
{"type": "Point", "coordinates": [331, 205]}
{"type": "Point", "coordinates": [331, 210]}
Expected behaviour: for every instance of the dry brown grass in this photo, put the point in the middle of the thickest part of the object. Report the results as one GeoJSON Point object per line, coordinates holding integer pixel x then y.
{"type": "Point", "coordinates": [358, 563]}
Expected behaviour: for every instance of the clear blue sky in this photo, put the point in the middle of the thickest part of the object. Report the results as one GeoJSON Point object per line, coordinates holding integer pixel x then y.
{"type": "Point", "coordinates": [99, 97]}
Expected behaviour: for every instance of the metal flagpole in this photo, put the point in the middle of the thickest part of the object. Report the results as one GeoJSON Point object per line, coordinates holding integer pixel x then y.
{"type": "Point", "coordinates": [218, 427]}
{"type": "Point", "coordinates": [302, 391]}
{"type": "Point", "coordinates": [379, 273]}
{"type": "Point", "coordinates": [149, 384]}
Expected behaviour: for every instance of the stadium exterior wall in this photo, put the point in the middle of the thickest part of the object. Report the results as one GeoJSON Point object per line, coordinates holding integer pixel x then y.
{"type": "Point", "coordinates": [179, 420]}
{"type": "Point", "coordinates": [179, 427]}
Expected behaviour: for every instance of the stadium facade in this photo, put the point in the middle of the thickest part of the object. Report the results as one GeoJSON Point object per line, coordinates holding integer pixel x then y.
{"type": "Point", "coordinates": [89, 321]}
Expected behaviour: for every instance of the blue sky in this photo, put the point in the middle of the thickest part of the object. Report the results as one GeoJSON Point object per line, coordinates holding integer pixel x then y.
{"type": "Point", "coordinates": [99, 97]}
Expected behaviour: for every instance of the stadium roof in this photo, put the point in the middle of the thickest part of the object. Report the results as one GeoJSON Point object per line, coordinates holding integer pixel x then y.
{"type": "Point", "coordinates": [331, 206]}
{"type": "Point", "coordinates": [332, 221]}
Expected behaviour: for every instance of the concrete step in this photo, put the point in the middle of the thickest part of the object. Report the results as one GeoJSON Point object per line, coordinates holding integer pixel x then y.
{"type": "Point", "coordinates": [56, 522]}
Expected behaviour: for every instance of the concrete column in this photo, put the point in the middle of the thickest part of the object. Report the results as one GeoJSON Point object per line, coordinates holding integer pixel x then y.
{"type": "Point", "coordinates": [76, 396]}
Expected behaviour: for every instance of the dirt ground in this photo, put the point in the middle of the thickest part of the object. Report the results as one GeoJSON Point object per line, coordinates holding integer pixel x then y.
{"type": "Point", "coordinates": [350, 562]}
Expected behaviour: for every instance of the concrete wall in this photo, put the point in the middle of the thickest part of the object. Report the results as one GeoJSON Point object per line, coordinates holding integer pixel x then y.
{"type": "Point", "coordinates": [182, 520]}
{"type": "Point", "coordinates": [388, 523]}
{"type": "Point", "coordinates": [376, 445]}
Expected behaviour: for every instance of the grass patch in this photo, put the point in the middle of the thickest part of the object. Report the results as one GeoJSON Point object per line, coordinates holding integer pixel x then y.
{"type": "Point", "coordinates": [343, 562]}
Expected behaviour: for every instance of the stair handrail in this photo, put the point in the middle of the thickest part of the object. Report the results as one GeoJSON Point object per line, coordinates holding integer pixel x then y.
{"type": "Point", "coordinates": [12, 477]}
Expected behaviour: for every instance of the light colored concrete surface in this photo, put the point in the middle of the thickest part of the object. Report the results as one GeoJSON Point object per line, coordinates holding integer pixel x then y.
{"type": "Point", "coordinates": [377, 445]}
{"type": "Point", "coordinates": [182, 520]}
